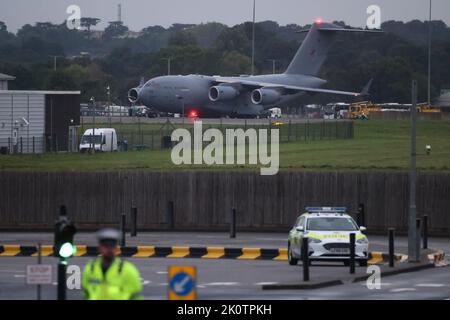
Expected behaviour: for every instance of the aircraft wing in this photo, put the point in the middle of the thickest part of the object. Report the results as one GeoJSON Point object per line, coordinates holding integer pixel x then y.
{"type": "Point", "coordinates": [256, 85]}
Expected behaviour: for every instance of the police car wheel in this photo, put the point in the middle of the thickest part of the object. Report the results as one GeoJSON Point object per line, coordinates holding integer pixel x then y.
{"type": "Point", "coordinates": [363, 263]}
{"type": "Point", "coordinates": [291, 259]}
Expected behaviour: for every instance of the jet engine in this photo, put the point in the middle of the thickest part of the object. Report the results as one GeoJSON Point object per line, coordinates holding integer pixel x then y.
{"type": "Point", "coordinates": [133, 95]}
{"type": "Point", "coordinates": [265, 96]}
{"type": "Point", "coordinates": [217, 93]}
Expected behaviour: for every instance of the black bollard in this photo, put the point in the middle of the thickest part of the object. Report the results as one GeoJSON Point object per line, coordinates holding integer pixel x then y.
{"type": "Point", "coordinates": [425, 231]}
{"type": "Point", "coordinates": [305, 258]}
{"type": "Point", "coordinates": [352, 253]}
{"type": "Point", "coordinates": [391, 247]}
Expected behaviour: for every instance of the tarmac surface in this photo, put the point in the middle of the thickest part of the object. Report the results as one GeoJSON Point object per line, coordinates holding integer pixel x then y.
{"type": "Point", "coordinates": [233, 279]}
{"type": "Point", "coordinates": [211, 239]}
{"type": "Point", "coordinates": [241, 280]}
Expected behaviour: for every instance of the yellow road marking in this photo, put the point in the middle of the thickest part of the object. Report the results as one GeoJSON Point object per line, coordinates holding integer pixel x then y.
{"type": "Point", "coordinates": [214, 253]}
{"type": "Point", "coordinates": [283, 255]}
{"type": "Point", "coordinates": [81, 251]}
{"type": "Point", "coordinates": [10, 250]}
{"type": "Point", "coordinates": [179, 252]}
{"type": "Point", "coordinates": [250, 253]}
{"type": "Point", "coordinates": [144, 252]}
{"type": "Point", "coordinates": [46, 251]}
{"type": "Point", "coordinates": [377, 257]}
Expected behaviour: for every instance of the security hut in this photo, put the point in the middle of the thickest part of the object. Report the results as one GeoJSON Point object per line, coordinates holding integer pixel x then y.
{"type": "Point", "coordinates": [38, 121]}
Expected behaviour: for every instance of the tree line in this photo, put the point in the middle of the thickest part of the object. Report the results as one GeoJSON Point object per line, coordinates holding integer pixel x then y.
{"type": "Point", "coordinates": [90, 60]}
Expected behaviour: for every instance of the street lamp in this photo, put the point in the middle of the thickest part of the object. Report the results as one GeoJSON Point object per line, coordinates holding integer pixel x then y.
{"type": "Point", "coordinates": [429, 56]}
{"type": "Point", "coordinates": [253, 38]}
{"type": "Point", "coordinates": [93, 120]}
{"type": "Point", "coordinates": [169, 61]}
{"type": "Point", "coordinates": [182, 105]}
{"type": "Point", "coordinates": [108, 92]}
{"type": "Point", "coordinates": [274, 61]}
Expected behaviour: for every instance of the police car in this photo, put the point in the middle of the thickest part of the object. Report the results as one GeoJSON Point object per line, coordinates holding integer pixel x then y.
{"type": "Point", "coordinates": [328, 230]}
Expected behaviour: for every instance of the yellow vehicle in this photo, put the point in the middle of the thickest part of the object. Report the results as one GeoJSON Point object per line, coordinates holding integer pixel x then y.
{"type": "Point", "coordinates": [361, 110]}
{"type": "Point", "coordinates": [426, 108]}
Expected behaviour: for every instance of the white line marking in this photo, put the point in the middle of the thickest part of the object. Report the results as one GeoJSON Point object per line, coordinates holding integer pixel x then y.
{"type": "Point", "coordinates": [161, 272]}
{"type": "Point", "coordinates": [403, 289]}
{"type": "Point", "coordinates": [264, 283]}
{"type": "Point", "coordinates": [221, 284]}
{"type": "Point", "coordinates": [19, 276]}
{"type": "Point", "coordinates": [430, 285]}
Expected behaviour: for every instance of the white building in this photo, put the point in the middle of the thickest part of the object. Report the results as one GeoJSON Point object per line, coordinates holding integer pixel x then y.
{"type": "Point", "coordinates": [4, 78]}
{"type": "Point", "coordinates": [37, 121]}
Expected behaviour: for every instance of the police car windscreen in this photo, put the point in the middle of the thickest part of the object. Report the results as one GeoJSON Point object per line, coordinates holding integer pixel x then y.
{"type": "Point", "coordinates": [331, 224]}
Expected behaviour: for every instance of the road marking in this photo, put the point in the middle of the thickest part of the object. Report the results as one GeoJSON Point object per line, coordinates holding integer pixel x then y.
{"type": "Point", "coordinates": [403, 289]}
{"type": "Point", "coordinates": [265, 283]}
{"type": "Point", "coordinates": [163, 284]}
{"type": "Point", "coordinates": [283, 255]}
{"type": "Point", "coordinates": [144, 252]}
{"type": "Point", "coordinates": [430, 285]}
{"type": "Point", "coordinates": [214, 253]}
{"type": "Point", "coordinates": [211, 284]}
{"type": "Point", "coordinates": [46, 251]}
{"type": "Point", "coordinates": [382, 284]}
{"type": "Point", "coordinates": [377, 257]}
{"type": "Point", "coordinates": [250, 253]}
{"type": "Point", "coordinates": [19, 276]}
{"type": "Point", "coordinates": [161, 272]}
{"type": "Point", "coordinates": [179, 252]}
{"type": "Point", "coordinates": [10, 250]}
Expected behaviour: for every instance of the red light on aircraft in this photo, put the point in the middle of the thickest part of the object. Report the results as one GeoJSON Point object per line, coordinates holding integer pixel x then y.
{"type": "Point", "coordinates": [193, 114]}
{"type": "Point", "coordinates": [318, 21]}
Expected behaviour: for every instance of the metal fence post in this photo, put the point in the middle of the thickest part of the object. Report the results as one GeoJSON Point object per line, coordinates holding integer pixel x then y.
{"type": "Point", "coordinates": [352, 253]}
{"type": "Point", "coordinates": [233, 223]}
{"type": "Point", "coordinates": [391, 247]}
{"type": "Point", "coordinates": [123, 229]}
{"type": "Point", "coordinates": [425, 231]}
{"type": "Point", "coordinates": [170, 219]}
{"type": "Point", "coordinates": [305, 258]}
{"type": "Point", "coordinates": [134, 221]}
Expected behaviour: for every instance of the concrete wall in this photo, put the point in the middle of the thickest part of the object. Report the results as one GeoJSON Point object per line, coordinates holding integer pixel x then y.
{"type": "Point", "coordinates": [203, 199]}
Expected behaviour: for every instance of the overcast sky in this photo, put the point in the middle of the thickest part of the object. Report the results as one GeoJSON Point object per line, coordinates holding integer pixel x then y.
{"type": "Point", "coordinates": [138, 14]}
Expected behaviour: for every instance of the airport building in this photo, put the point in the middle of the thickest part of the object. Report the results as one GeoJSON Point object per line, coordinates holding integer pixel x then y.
{"type": "Point", "coordinates": [38, 121]}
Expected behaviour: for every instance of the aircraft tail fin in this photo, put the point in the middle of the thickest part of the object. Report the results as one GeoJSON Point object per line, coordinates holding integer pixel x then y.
{"type": "Point", "coordinates": [313, 51]}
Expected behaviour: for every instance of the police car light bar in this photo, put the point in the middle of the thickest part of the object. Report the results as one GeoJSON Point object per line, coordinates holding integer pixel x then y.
{"type": "Point", "coordinates": [326, 209]}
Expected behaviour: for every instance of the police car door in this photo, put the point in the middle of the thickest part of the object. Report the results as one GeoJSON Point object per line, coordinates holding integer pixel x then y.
{"type": "Point", "coordinates": [299, 231]}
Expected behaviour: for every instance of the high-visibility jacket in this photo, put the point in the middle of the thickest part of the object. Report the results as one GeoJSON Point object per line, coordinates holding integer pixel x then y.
{"type": "Point", "coordinates": [121, 281]}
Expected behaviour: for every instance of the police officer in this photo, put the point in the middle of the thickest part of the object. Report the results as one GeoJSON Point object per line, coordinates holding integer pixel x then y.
{"type": "Point", "coordinates": [109, 277]}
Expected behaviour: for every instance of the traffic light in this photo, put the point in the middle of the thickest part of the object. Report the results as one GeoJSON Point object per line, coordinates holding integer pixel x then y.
{"type": "Point", "coordinates": [64, 233]}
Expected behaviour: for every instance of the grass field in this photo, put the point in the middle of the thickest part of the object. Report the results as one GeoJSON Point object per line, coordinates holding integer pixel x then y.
{"type": "Point", "coordinates": [378, 145]}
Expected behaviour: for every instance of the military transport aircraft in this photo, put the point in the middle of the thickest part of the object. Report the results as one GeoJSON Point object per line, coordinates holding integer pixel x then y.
{"type": "Point", "coordinates": [246, 96]}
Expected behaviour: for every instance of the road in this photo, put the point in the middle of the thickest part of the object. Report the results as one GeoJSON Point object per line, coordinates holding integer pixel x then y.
{"type": "Point", "coordinates": [236, 280]}
{"type": "Point", "coordinates": [201, 239]}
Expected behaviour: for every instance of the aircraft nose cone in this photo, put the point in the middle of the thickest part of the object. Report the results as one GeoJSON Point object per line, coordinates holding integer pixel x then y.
{"type": "Point", "coordinates": [133, 95]}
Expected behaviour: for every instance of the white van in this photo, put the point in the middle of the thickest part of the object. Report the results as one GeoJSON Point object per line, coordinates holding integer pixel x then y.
{"type": "Point", "coordinates": [275, 113]}
{"type": "Point", "coordinates": [103, 140]}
